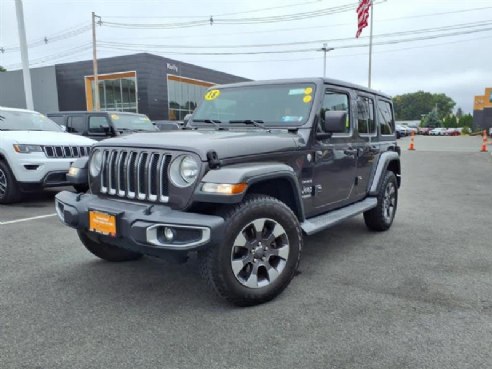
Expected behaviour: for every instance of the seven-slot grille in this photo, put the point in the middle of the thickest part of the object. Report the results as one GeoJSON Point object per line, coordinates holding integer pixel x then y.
{"type": "Point", "coordinates": [66, 151]}
{"type": "Point", "coordinates": [140, 175]}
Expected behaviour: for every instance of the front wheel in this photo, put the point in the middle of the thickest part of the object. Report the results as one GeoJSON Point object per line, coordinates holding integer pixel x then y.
{"type": "Point", "coordinates": [259, 254]}
{"type": "Point", "coordinates": [106, 251]}
{"type": "Point", "coordinates": [381, 217]}
{"type": "Point", "coordinates": [9, 190]}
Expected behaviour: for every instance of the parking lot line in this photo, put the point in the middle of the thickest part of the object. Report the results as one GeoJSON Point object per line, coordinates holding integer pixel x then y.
{"type": "Point", "coordinates": [27, 219]}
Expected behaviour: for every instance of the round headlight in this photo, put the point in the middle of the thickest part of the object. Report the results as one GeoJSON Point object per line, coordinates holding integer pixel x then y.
{"type": "Point", "coordinates": [184, 171]}
{"type": "Point", "coordinates": [96, 163]}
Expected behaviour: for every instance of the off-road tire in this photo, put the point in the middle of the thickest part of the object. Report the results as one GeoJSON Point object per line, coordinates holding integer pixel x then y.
{"type": "Point", "coordinates": [10, 192]}
{"type": "Point", "coordinates": [81, 188]}
{"type": "Point", "coordinates": [106, 251]}
{"type": "Point", "coordinates": [375, 218]}
{"type": "Point", "coordinates": [216, 260]}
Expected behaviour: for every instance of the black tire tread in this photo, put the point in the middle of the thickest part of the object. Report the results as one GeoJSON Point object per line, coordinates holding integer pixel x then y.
{"type": "Point", "coordinates": [374, 218]}
{"type": "Point", "coordinates": [13, 193]}
{"type": "Point", "coordinates": [209, 270]}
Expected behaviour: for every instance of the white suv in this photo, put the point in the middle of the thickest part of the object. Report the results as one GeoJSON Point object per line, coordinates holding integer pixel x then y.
{"type": "Point", "coordinates": [35, 153]}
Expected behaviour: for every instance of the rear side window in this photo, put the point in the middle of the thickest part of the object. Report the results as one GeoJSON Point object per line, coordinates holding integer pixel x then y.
{"type": "Point", "coordinates": [366, 124]}
{"type": "Point", "coordinates": [337, 101]}
{"type": "Point", "coordinates": [385, 118]}
{"type": "Point", "coordinates": [98, 124]}
{"type": "Point", "coordinates": [76, 124]}
{"type": "Point", "coordinates": [58, 119]}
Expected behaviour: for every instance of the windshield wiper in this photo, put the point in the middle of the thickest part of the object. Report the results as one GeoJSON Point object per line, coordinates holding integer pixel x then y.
{"type": "Point", "coordinates": [255, 122]}
{"type": "Point", "coordinates": [215, 122]}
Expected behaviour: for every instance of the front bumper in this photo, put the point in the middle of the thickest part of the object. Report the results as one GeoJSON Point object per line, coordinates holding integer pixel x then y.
{"type": "Point", "coordinates": [36, 168]}
{"type": "Point", "coordinates": [139, 226]}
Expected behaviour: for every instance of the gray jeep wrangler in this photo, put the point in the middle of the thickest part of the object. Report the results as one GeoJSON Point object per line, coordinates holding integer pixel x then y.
{"type": "Point", "coordinates": [258, 166]}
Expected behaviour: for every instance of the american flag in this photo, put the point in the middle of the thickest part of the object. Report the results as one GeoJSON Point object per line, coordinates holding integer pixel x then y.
{"type": "Point", "coordinates": [362, 15]}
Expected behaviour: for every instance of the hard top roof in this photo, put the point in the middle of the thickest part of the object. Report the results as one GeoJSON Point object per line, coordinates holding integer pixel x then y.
{"type": "Point", "coordinates": [317, 80]}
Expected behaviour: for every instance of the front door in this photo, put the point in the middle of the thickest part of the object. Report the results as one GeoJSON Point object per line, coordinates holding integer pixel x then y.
{"type": "Point", "coordinates": [335, 158]}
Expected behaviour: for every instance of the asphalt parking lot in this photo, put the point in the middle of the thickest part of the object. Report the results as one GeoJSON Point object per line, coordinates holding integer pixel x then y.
{"type": "Point", "coordinates": [417, 296]}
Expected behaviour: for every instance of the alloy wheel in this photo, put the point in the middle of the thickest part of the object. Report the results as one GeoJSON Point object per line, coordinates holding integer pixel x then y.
{"type": "Point", "coordinates": [389, 202]}
{"type": "Point", "coordinates": [260, 253]}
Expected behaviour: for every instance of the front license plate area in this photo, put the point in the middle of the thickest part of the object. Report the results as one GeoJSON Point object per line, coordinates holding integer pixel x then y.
{"type": "Point", "coordinates": [103, 223]}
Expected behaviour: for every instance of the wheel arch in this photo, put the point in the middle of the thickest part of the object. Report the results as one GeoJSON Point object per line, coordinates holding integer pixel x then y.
{"type": "Point", "coordinates": [389, 160]}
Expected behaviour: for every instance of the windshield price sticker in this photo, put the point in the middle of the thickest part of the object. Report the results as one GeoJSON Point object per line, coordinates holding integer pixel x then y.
{"type": "Point", "coordinates": [307, 99]}
{"type": "Point", "coordinates": [212, 95]}
{"type": "Point", "coordinates": [308, 90]}
{"type": "Point", "coordinates": [297, 91]}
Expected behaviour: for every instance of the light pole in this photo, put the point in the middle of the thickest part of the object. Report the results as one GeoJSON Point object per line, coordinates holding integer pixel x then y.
{"type": "Point", "coordinates": [325, 49]}
{"type": "Point", "coordinates": [24, 55]}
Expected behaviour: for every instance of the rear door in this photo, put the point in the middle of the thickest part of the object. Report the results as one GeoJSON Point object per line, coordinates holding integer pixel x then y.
{"type": "Point", "coordinates": [366, 142]}
{"type": "Point", "coordinates": [335, 157]}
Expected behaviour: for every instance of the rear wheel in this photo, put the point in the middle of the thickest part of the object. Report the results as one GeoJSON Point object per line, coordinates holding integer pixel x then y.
{"type": "Point", "coordinates": [381, 217]}
{"type": "Point", "coordinates": [9, 190]}
{"type": "Point", "coordinates": [259, 254]}
{"type": "Point", "coordinates": [106, 251]}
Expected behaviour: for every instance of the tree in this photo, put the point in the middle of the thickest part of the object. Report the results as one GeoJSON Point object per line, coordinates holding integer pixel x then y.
{"type": "Point", "coordinates": [466, 121]}
{"type": "Point", "coordinates": [432, 119]}
{"type": "Point", "coordinates": [413, 106]}
{"type": "Point", "coordinates": [450, 121]}
{"type": "Point", "coordinates": [2, 69]}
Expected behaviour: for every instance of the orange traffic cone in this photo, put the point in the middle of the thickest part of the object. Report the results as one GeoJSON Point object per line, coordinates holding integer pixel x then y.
{"type": "Point", "coordinates": [412, 143]}
{"type": "Point", "coordinates": [484, 142]}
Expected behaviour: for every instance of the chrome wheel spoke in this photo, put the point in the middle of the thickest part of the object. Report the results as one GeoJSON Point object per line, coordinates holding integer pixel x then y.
{"type": "Point", "coordinates": [259, 225]}
{"type": "Point", "coordinates": [237, 266]}
{"type": "Point", "coordinates": [252, 281]}
{"type": "Point", "coordinates": [272, 273]}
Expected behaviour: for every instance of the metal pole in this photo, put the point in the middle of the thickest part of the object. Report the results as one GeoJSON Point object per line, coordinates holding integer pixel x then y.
{"type": "Point", "coordinates": [324, 60]}
{"type": "Point", "coordinates": [370, 46]}
{"type": "Point", "coordinates": [24, 54]}
{"type": "Point", "coordinates": [97, 105]}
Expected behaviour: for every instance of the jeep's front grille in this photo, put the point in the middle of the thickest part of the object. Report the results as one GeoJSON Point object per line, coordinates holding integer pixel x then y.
{"type": "Point", "coordinates": [140, 175]}
{"type": "Point", "coordinates": [66, 151]}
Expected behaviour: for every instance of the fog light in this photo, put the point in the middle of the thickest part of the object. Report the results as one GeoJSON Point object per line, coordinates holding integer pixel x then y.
{"type": "Point", "coordinates": [169, 234]}
{"type": "Point", "coordinates": [73, 172]}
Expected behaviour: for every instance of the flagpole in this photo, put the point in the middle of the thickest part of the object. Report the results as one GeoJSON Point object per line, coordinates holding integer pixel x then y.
{"type": "Point", "coordinates": [370, 45]}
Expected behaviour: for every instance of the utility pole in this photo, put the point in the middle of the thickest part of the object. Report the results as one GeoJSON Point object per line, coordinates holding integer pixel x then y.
{"type": "Point", "coordinates": [370, 45]}
{"type": "Point", "coordinates": [325, 49]}
{"type": "Point", "coordinates": [24, 54]}
{"type": "Point", "coordinates": [97, 105]}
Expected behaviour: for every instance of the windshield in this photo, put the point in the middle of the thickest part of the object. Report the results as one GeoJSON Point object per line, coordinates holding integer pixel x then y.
{"type": "Point", "coordinates": [275, 105]}
{"type": "Point", "coordinates": [134, 122]}
{"type": "Point", "coordinates": [26, 121]}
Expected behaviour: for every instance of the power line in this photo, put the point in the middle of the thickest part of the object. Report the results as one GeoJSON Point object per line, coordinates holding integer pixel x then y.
{"type": "Point", "coordinates": [296, 43]}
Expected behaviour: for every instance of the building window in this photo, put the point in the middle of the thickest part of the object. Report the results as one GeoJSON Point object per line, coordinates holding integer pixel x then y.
{"type": "Point", "coordinates": [117, 92]}
{"type": "Point", "coordinates": [184, 94]}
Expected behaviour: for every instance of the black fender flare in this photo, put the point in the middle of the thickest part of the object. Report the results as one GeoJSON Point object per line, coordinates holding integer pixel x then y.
{"type": "Point", "coordinates": [385, 159]}
{"type": "Point", "coordinates": [250, 173]}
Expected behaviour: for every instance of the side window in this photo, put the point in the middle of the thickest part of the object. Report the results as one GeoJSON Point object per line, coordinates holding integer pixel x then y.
{"type": "Point", "coordinates": [366, 124]}
{"type": "Point", "coordinates": [98, 124]}
{"type": "Point", "coordinates": [76, 124]}
{"type": "Point", "coordinates": [58, 119]}
{"type": "Point", "coordinates": [337, 101]}
{"type": "Point", "coordinates": [385, 118]}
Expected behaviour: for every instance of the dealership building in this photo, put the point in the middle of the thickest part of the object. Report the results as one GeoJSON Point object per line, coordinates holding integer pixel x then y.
{"type": "Point", "coordinates": [482, 111]}
{"type": "Point", "coordinates": [159, 87]}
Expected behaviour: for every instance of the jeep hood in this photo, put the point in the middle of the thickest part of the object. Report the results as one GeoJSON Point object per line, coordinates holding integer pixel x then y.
{"type": "Point", "coordinates": [227, 144]}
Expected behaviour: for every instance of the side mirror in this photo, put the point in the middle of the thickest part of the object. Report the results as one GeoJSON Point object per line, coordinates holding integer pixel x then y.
{"type": "Point", "coordinates": [334, 121]}
{"type": "Point", "coordinates": [186, 118]}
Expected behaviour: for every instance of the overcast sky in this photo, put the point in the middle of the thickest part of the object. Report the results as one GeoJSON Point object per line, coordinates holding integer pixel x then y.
{"type": "Point", "coordinates": [458, 66]}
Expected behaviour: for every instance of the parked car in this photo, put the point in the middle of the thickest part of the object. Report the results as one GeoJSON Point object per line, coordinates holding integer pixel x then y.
{"type": "Point", "coordinates": [438, 132]}
{"type": "Point", "coordinates": [425, 131]}
{"type": "Point", "coordinates": [101, 125]}
{"type": "Point", "coordinates": [453, 132]}
{"type": "Point", "coordinates": [34, 153]}
{"type": "Point", "coordinates": [242, 190]}
{"type": "Point", "coordinates": [168, 125]}
{"type": "Point", "coordinates": [401, 131]}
